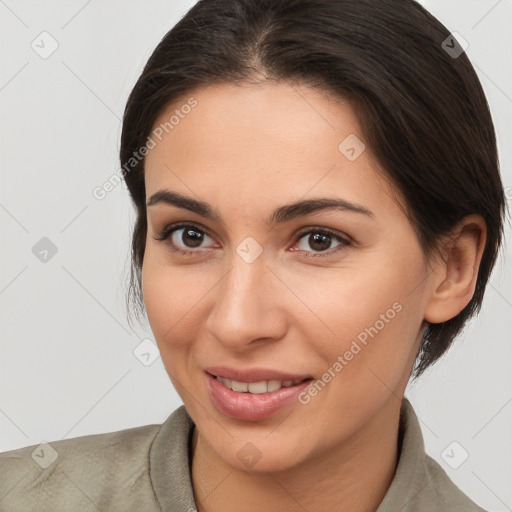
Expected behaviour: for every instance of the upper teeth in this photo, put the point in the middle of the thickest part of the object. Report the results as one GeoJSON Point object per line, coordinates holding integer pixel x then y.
{"type": "Point", "coordinates": [257, 387]}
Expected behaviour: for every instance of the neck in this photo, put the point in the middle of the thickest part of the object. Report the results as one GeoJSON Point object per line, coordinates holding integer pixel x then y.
{"type": "Point", "coordinates": [352, 476]}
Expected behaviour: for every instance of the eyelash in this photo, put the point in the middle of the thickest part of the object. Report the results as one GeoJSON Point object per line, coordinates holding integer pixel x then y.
{"type": "Point", "coordinates": [166, 233]}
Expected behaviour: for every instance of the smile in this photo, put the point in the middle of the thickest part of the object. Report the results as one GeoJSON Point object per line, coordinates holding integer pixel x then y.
{"type": "Point", "coordinates": [264, 386]}
{"type": "Point", "coordinates": [255, 400]}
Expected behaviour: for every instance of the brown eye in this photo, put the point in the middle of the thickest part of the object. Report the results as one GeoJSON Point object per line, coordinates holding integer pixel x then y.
{"type": "Point", "coordinates": [320, 241]}
{"type": "Point", "coordinates": [189, 237]}
{"type": "Point", "coordinates": [184, 238]}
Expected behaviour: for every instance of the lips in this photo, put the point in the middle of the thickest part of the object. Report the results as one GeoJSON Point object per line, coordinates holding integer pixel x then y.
{"type": "Point", "coordinates": [251, 402]}
{"type": "Point", "coordinates": [253, 374]}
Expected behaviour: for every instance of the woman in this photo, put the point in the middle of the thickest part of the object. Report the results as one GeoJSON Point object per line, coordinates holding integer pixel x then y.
{"type": "Point", "coordinates": [319, 210]}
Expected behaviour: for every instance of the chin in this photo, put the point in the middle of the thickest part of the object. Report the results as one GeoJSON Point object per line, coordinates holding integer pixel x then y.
{"type": "Point", "coordinates": [276, 462]}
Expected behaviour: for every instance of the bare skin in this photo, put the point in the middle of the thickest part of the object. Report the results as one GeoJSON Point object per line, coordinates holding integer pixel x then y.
{"type": "Point", "coordinates": [247, 150]}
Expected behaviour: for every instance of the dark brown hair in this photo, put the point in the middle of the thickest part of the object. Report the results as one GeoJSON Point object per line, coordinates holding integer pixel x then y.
{"type": "Point", "coordinates": [421, 106]}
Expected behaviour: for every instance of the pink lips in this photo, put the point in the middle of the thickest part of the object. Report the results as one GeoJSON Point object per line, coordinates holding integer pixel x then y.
{"type": "Point", "coordinates": [250, 406]}
{"type": "Point", "coordinates": [253, 374]}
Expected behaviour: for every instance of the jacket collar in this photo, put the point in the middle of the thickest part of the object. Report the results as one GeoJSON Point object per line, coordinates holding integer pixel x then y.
{"type": "Point", "coordinates": [170, 465]}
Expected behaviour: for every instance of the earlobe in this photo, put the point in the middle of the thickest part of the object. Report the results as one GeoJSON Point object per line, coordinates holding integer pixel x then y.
{"type": "Point", "coordinates": [455, 278]}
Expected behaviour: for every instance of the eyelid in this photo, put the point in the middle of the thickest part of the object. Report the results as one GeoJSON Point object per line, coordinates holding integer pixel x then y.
{"type": "Point", "coordinates": [322, 229]}
{"type": "Point", "coordinates": [165, 234]}
{"type": "Point", "coordinates": [343, 240]}
{"type": "Point", "coordinates": [168, 229]}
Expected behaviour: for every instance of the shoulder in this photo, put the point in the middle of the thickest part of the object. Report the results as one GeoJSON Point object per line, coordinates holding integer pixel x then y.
{"type": "Point", "coordinates": [420, 483]}
{"type": "Point", "coordinates": [102, 471]}
{"type": "Point", "coordinates": [444, 492]}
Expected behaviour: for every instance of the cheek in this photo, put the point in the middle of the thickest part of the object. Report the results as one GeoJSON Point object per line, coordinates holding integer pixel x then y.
{"type": "Point", "coordinates": [155, 293]}
{"type": "Point", "coordinates": [175, 298]}
{"type": "Point", "coordinates": [165, 301]}
{"type": "Point", "coordinates": [169, 302]}
{"type": "Point", "coordinates": [370, 315]}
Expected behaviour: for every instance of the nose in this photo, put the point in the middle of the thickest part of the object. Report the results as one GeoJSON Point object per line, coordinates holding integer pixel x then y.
{"type": "Point", "coordinates": [247, 311]}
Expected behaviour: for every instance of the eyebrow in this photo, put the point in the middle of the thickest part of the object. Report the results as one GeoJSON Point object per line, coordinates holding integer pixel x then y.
{"type": "Point", "coordinates": [280, 215]}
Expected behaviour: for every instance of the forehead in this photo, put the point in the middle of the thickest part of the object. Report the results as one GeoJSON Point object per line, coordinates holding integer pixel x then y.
{"type": "Point", "coordinates": [274, 141]}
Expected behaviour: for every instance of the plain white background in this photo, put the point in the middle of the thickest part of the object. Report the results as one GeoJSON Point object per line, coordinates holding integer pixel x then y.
{"type": "Point", "coordinates": [67, 363]}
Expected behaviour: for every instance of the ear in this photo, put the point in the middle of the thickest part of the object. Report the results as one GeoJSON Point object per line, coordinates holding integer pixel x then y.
{"type": "Point", "coordinates": [456, 270]}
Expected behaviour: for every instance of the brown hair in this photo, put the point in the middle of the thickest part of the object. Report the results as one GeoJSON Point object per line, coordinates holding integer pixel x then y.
{"type": "Point", "coordinates": [420, 103]}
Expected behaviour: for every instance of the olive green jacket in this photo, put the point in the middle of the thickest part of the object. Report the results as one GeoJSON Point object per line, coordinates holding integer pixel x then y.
{"type": "Point", "coordinates": [147, 469]}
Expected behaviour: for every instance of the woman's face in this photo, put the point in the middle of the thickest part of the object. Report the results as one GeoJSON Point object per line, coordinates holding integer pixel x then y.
{"type": "Point", "coordinates": [336, 295]}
